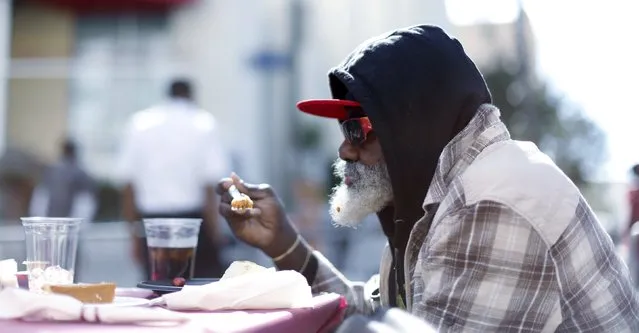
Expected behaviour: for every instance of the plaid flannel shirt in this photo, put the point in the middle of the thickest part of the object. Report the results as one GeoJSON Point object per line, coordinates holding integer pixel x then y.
{"type": "Point", "coordinates": [507, 244]}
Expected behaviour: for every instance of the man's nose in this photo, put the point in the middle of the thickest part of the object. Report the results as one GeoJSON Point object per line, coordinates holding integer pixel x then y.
{"type": "Point", "coordinates": [348, 152]}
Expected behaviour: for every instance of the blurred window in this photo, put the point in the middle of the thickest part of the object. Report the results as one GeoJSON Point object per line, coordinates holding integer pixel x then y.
{"type": "Point", "coordinates": [121, 64]}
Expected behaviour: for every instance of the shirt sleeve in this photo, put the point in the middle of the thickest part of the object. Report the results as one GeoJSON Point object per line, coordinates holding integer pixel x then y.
{"type": "Point", "coordinates": [39, 201]}
{"type": "Point", "coordinates": [85, 200]}
{"type": "Point", "coordinates": [597, 290]}
{"type": "Point", "coordinates": [490, 270]}
{"type": "Point", "coordinates": [84, 206]}
{"type": "Point", "coordinates": [329, 279]}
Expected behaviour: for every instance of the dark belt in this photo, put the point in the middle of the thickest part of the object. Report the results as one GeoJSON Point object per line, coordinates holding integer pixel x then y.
{"type": "Point", "coordinates": [195, 214]}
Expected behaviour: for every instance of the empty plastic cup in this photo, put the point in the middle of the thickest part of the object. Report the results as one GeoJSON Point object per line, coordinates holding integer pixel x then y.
{"type": "Point", "coordinates": [52, 246]}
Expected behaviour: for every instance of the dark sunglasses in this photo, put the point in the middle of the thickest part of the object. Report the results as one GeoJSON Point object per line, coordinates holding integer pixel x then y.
{"type": "Point", "coordinates": [355, 130]}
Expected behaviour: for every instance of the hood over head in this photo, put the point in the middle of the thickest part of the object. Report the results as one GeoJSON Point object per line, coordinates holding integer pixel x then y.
{"type": "Point", "coordinates": [419, 89]}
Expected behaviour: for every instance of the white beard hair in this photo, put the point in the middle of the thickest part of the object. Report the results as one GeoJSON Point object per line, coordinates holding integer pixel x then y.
{"type": "Point", "coordinates": [371, 192]}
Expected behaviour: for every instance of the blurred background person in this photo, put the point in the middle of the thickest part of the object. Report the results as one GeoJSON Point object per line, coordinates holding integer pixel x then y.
{"type": "Point", "coordinates": [631, 232]}
{"type": "Point", "coordinates": [19, 175]}
{"type": "Point", "coordinates": [170, 159]}
{"type": "Point", "coordinates": [66, 189]}
{"type": "Point", "coordinates": [633, 197]}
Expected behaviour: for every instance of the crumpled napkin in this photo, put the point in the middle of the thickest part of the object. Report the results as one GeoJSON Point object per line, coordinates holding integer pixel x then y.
{"type": "Point", "coordinates": [22, 304]}
{"type": "Point", "coordinates": [256, 291]}
{"type": "Point", "coordinates": [8, 270]}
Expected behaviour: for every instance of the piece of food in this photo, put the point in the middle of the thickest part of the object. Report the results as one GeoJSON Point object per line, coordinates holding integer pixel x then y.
{"type": "Point", "coordinates": [241, 201]}
{"type": "Point", "coordinates": [86, 293]}
{"type": "Point", "coordinates": [179, 282]}
{"type": "Point", "coordinates": [8, 271]}
{"type": "Point", "coordinates": [238, 268]}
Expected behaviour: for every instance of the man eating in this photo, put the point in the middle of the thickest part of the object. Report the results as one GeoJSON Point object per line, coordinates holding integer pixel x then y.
{"type": "Point", "coordinates": [485, 233]}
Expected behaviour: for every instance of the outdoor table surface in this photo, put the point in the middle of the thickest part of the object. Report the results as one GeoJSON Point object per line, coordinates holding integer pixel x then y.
{"type": "Point", "coordinates": [326, 313]}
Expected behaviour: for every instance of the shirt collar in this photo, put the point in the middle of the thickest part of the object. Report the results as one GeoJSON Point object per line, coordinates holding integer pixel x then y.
{"type": "Point", "coordinates": [484, 129]}
{"type": "Point", "coordinates": [179, 102]}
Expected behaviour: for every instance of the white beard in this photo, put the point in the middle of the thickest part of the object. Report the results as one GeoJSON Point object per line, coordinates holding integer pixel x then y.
{"type": "Point", "coordinates": [369, 193]}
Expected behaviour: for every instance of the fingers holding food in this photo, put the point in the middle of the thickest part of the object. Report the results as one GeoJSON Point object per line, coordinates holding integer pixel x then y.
{"type": "Point", "coordinates": [228, 212]}
{"type": "Point", "coordinates": [223, 185]}
{"type": "Point", "coordinates": [241, 201]}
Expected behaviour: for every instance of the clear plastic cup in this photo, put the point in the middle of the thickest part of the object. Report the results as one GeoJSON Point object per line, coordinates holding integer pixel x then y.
{"type": "Point", "coordinates": [171, 243]}
{"type": "Point", "coordinates": [52, 246]}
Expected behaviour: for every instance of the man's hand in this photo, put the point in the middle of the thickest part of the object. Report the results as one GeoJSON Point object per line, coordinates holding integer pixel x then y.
{"type": "Point", "coordinates": [265, 226]}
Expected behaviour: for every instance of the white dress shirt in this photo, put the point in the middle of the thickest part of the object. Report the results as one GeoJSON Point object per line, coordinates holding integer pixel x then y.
{"type": "Point", "coordinates": [169, 154]}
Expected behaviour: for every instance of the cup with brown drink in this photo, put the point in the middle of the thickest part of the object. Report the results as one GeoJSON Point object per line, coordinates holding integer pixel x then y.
{"type": "Point", "coordinates": [172, 243]}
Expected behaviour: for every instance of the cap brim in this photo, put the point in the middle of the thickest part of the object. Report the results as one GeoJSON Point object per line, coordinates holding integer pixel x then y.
{"type": "Point", "coordinates": [327, 108]}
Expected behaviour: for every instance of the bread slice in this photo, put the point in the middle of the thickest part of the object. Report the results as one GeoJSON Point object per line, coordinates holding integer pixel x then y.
{"type": "Point", "coordinates": [86, 293]}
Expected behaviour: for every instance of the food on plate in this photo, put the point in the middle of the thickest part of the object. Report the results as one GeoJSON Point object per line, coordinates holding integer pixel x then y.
{"type": "Point", "coordinates": [179, 282]}
{"type": "Point", "coordinates": [238, 268]}
{"type": "Point", "coordinates": [241, 202]}
{"type": "Point", "coordinates": [86, 293]}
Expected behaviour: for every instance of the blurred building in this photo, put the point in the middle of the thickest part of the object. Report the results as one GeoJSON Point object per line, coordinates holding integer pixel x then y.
{"type": "Point", "coordinates": [332, 36]}
{"type": "Point", "coordinates": [81, 67]}
{"type": "Point", "coordinates": [493, 44]}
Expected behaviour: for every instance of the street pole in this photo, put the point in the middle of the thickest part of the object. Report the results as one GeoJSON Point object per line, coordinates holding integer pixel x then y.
{"type": "Point", "coordinates": [524, 75]}
{"type": "Point", "coordinates": [296, 34]}
{"type": "Point", "coordinates": [5, 59]}
{"type": "Point", "coordinates": [522, 46]}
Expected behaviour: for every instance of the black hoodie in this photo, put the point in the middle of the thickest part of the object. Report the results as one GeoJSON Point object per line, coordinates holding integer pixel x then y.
{"type": "Point", "coordinates": [419, 89]}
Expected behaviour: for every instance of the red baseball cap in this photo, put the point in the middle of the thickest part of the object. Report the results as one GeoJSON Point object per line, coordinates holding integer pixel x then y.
{"type": "Point", "coordinates": [328, 108]}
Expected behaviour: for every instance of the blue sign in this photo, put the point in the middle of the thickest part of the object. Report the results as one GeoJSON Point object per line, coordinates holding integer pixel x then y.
{"type": "Point", "coordinates": [271, 60]}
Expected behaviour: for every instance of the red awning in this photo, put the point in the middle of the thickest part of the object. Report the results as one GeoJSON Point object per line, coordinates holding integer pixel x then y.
{"type": "Point", "coordinates": [97, 6]}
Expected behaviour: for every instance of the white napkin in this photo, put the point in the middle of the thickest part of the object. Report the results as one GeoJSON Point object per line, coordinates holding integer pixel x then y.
{"type": "Point", "coordinates": [8, 270]}
{"type": "Point", "coordinates": [22, 304]}
{"type": "Point", "coordinates": [256, 291]}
